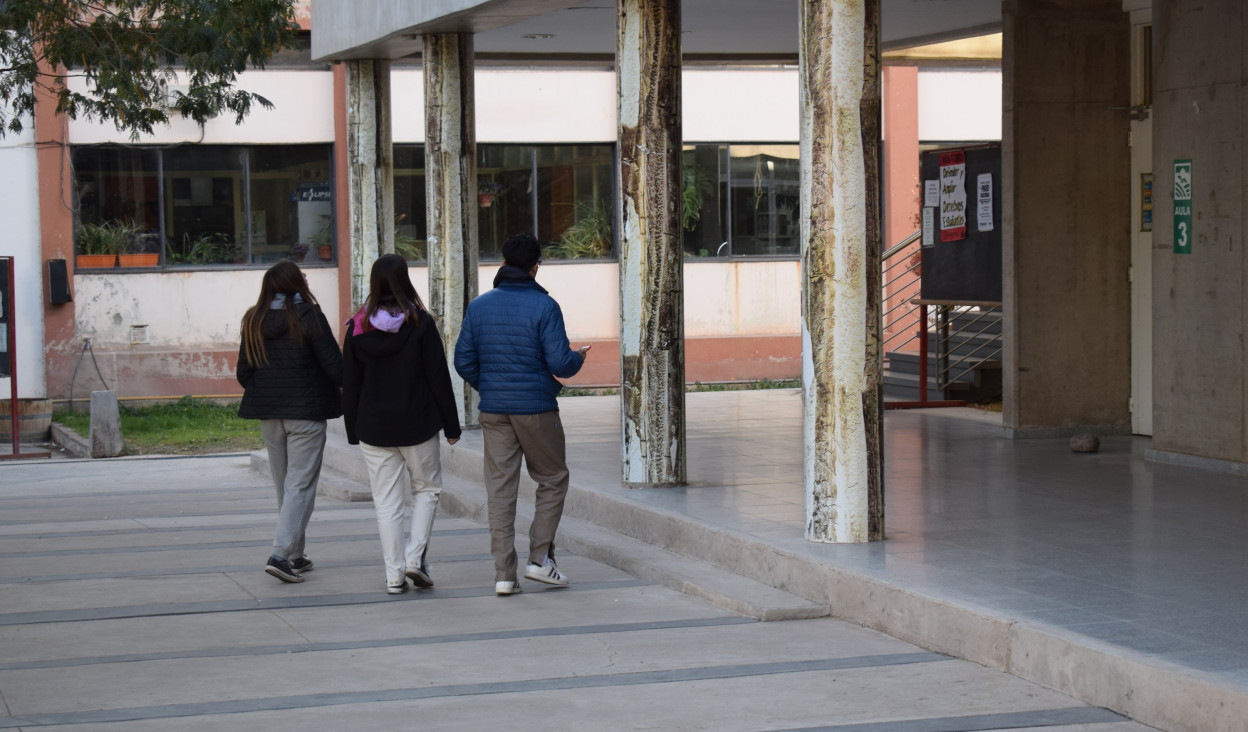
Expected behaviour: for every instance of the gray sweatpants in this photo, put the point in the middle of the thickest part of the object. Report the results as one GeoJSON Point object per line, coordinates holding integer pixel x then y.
{"type": "Point", "coordinates": [295, 447]}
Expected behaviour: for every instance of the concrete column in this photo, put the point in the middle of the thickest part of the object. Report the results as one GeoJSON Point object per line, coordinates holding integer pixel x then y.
{"type": "Point", "coordinates": [841, 370]}
{"type": "Point", "coordinates": [451, 192]}
{"type": "Point", "coordinates": [652, 332]}
{"type": "Point", "coordinates": [370, 170]}
{"type": "Point", "coordinates": [1066, 209]}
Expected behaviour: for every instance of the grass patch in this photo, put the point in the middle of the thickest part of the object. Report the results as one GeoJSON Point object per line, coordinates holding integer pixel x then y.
{"type": "Point", "coordinates": [185, 427]}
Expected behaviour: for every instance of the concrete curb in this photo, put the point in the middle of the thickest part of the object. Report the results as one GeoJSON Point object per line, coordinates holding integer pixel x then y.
{"type": "Point", "coordinates": [72, 442]}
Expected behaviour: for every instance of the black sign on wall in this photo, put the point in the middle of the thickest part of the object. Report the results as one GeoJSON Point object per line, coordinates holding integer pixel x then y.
{"type": "Point", "coordinates": [6, 317]}
{"type": "Point", "coordinates": [961, 224]}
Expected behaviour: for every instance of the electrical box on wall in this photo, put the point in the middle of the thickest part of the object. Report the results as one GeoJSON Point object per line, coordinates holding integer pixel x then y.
{"type": "Point", "coordinates": [58, 282]}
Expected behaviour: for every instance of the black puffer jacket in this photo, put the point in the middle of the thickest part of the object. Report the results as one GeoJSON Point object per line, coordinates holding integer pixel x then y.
{"type": "Point", "coordinates": [301, 380]}
{"type": "Point", "coordinates": [397, 389]}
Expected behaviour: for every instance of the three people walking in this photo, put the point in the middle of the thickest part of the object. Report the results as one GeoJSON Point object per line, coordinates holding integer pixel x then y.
{"type": "Point", "coordinates": [511, 347]}
{"type": "Point", "coordinates": [290, 369]}
{"type": "Point", "coordinates": [397, 396]}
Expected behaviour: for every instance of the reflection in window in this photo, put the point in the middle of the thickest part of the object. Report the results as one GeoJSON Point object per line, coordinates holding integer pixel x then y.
{"type": "Point", "coordinates": [410, 231]}
{"type": "Point", "coordinates": [205, 204]}
{"type": "Point", "coordinates": [741, 200]}
{"type": "Point", "coordinates": [562, 194]}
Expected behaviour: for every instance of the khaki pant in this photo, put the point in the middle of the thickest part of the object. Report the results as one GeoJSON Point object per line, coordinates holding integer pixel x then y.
{"type": "Point", "coordinates": [394, 473]}
{"type": "Point", "coordinates": [539, 438]}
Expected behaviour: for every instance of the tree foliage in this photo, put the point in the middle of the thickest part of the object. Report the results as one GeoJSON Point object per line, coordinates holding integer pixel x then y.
{"type": "Point", "coordinates": [141, 61]}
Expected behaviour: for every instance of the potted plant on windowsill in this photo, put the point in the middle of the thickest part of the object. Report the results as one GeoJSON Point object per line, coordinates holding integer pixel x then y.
{"type": "Point", "coordinates": [139, 250]}
{"type": "Point", "coordinates": [487, 191]}
{"type": "Point", "coordinates": [98, 245]}
{"type": "Point", "coordinates": [298, 251]}
{"type": "Point", "coordinates": [589, 237]}
{"type": "Point", "coordinates": [322, 241]}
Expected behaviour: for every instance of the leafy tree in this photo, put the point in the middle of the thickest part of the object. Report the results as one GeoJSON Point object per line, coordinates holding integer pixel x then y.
{"type": "Point", "coordinates": [129, 53]}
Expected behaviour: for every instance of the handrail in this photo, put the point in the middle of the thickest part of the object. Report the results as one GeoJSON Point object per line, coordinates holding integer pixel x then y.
{"type": "Point", "coordinates": [901, 245]}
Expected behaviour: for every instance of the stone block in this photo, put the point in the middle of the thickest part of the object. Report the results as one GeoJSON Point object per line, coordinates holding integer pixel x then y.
{"type": "Point", "coordinates": [105, 432]}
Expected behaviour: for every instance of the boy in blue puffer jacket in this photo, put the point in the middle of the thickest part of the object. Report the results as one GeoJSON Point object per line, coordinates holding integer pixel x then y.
{"type": "Point", "coordinates": [511, 348]}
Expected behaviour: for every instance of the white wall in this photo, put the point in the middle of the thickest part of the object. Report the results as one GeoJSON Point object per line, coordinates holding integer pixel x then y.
{"type": "Point", "coordinates": [19, 209]}
{"type": "Point", "coordinates": [182, 310]}
{"type": "Point", "coordinates": [721, 298]}
{"type": "Point", "coordinates": [303, 112]}
{"type": "Point", "coordinates": [959, 106]}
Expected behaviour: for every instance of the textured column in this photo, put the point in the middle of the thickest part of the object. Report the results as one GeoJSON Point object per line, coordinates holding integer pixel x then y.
{"type": "Point", "coordinates": [451, 192]}
{"type": "Point", "coordinates": [842, 429]}
{"type": "Point", "coordinates": [652, 333]}
{"type": "Point", "coordinates": [370, 170]}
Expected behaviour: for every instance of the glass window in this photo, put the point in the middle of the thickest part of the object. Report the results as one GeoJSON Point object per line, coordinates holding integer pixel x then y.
{"type": "Point", "coordinates": [562, 194]}
{"type": "Point", "coordinates": [705, 194]}
{"type": "Point", "coordinates": [410, 232]}
{"type": "Point", "coordinates": [118, 192]}
{"type": "Point", "coordinates": [764, 190]}
{"type": "Point", "coordinates": [206, 204]}
{"type": "Point", "coordinates": [291, 204]}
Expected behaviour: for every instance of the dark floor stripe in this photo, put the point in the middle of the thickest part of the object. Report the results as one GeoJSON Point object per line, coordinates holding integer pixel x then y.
{"type": "Point", "coordinates": [164, 572]}
{"type": "Point", "coordinates": [265, 521]}
{"type": "Point", "coordinates": [307, 701]}
{"type": "Point", "coordinates": [286, 649]}
{"type": "Point", "coordinates": [278, 603]}
{"type": "Point", "coordinates": [272, 510]}
{"type": "Point", "coordinates": [982, 722]}
{"type": "Point", "coordinates": [216, 545]}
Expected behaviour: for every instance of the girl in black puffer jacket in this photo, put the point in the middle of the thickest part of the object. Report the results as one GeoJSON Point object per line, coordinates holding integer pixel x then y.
{"type": "Point", "coordinates": [291, 371]}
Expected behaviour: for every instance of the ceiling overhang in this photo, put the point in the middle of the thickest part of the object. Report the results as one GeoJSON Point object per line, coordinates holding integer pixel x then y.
{"type": "Point", "coordinates": [550, 30]}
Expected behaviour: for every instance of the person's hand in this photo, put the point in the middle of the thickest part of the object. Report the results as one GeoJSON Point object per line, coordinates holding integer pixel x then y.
{"type": "Point", "coordinates": [584, 351]}
{"type": "Point", "coordinates": [452, 440]}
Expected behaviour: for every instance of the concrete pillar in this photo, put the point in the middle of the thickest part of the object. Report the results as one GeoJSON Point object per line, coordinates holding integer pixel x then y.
{"type": "Point", "coordinates": [652, 332]}
{"type": "Point", "coordinates": [451, 192]}
{"type": "Point", "coordinates": [370, 170]}
{"type": "Point", "coordinates": [841, 370]}
{"type": "Point", "coordinates": [1066, 209]}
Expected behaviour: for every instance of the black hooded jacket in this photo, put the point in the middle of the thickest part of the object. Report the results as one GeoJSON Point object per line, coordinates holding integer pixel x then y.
{"type": "Point", "coordinates": [396, 388]}
{"type": "Point", "coordinates": [301, 380]}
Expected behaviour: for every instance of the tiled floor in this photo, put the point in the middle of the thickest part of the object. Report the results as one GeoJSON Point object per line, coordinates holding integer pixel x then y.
{"type": "Point", "coordinates": [1146, 556]}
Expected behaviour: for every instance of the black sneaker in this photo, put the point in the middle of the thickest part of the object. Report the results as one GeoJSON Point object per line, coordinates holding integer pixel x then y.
{"type": "Point", "coordinates": [420, 577]}
{"type": "Point", "coordinates": [281, 569]}
{"type": "Point", "coordinates": [301, 565]}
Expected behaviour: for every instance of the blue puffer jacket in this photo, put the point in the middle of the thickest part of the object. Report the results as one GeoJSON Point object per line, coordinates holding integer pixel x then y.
{"type": "Point", "coordinates": [513, 345]}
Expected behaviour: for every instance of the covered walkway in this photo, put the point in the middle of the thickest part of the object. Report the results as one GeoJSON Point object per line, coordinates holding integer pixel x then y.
{"type": "Point", "coordinates": [1118, 580]}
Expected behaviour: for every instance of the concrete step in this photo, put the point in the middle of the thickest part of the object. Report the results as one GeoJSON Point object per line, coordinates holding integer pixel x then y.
{"type": "Point", "coordinates": [344, 476]}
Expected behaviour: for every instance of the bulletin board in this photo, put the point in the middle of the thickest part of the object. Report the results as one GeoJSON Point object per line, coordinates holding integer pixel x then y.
{"type": "Point", "coordinates": [961, 224]}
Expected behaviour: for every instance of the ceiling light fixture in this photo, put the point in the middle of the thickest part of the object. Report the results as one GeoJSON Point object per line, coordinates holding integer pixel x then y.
{"type": "Point", "coordinates": [538, 36]}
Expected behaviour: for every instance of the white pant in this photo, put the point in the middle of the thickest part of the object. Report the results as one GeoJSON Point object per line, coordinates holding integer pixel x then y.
{"type": "Point", "coordinates": [389, 469]}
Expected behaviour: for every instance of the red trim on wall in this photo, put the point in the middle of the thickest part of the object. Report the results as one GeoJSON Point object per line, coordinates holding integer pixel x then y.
{"type": "Point", "coordinates": [56, 235]}
{"type": "Point", "coordinates": [342, 212]}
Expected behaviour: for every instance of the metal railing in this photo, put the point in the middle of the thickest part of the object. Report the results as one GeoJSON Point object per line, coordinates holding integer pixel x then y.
{"type": "Point", "coordinates": [963, 331]}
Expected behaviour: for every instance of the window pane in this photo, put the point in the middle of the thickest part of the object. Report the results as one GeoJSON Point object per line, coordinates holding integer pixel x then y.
{"type": "Point", "coordinates": [576, 219]}
{"type": "Point", "coordinates": [204, 204]}
{"type": "Point", "coordinates": [292, 203]}
{"type": "Point", "coordinates": [118, 192]}
{"type": "Point", "coordinates": [504, 195]}
{"type": "Point", "coordinates": [765, 188]}
{"type": "Point", "coordinates": [705, 194]}
{"type": "Point", "coordinates": [410, 231]}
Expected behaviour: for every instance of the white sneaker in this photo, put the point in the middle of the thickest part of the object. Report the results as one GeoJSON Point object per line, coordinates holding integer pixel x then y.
{"type": "Point", "coordinates": [506, 588]}
{"type": "Point", "coordinates": [547, 573]}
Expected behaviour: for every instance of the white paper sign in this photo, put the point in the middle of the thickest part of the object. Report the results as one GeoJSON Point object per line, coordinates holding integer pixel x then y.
{"type": "Point", "coordinates": [953, 196]}
{"type": "Point", "coordinates": [929, 226]}
{"type": "Point", "coordinates": [983, 184]}
{"type": "Point", "coordinates": [931, 193]}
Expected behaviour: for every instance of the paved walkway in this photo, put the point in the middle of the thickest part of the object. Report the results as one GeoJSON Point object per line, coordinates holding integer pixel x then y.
{"type": "Point", "coordinates": [131, 598]}
{"type": "Point", "coordinates": [1122, 581]}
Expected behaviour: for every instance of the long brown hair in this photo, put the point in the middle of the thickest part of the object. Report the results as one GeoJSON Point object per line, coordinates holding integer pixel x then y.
{"type": "Point", "coordinates": [283, 278]}
{"type": "Point", "coordinates": [390, 288]}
